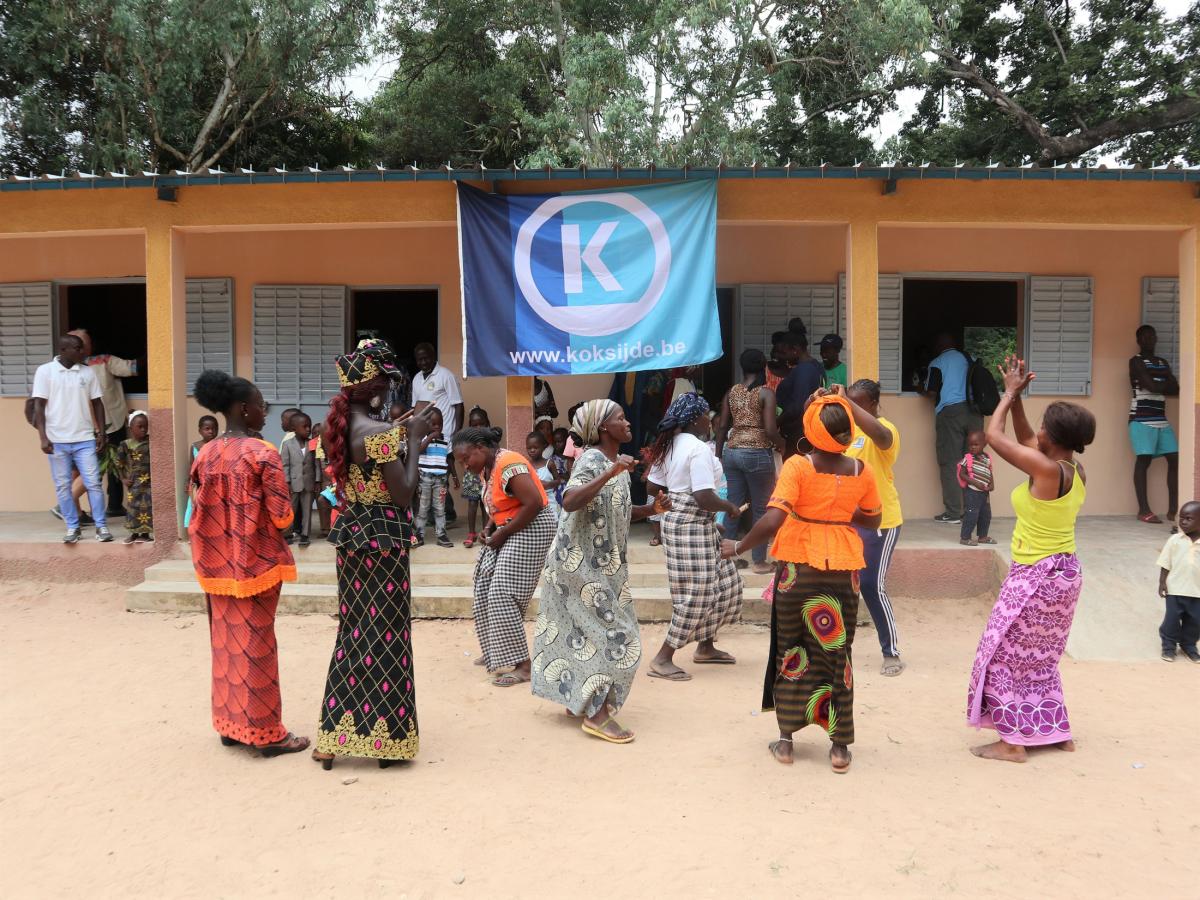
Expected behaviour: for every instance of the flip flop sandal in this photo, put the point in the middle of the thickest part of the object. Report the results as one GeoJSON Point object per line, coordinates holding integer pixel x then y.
{"type": "Point", "coordinates": [844, 767]}
{"type": "Point", "coordinates": [508, 679]}
{"type": "Point", "coordinates": [774, 745]}
{"type": "Point", "coordinates": [599, 732]}
{"type": "Point", "coordinates": [673, 676]}
{"type": "Point", "coordinates": [654, 542]}
{"type": "Point", "coordinates": [470, 541]}
{"type": "Point", "coordinates": [987, 540]}
{"type": "Point", "coordinates": [714, 661]}
{"type": "Point", "coordinates": [290, 744]}
{"type": "Point", "coordinates": [1150, 519]}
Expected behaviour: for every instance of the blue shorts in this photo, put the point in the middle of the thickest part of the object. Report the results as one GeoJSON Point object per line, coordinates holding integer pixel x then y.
{"type": "Point", "coordinates": [1152, 440]}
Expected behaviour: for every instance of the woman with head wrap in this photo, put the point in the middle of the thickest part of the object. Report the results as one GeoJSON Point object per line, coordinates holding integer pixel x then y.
{"type": "Point", "coordinates": [516, 537]}
{"type": "Point", "coordinates": [818, 502]}
{"type": "Point", "coordinates": [586, 641]}
{"type": "Point", "coordinates": [706, 591]}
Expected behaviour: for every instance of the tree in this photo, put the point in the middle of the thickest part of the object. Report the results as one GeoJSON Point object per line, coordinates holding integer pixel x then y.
{"type": "Point", "coordinates": [1052, 83]}
{"type": "Point", "coordinates": [177, 83]}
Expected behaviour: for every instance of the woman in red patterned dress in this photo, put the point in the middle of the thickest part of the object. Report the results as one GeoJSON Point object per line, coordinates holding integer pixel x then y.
{"type": "Point", "coordinates": [240, 505]}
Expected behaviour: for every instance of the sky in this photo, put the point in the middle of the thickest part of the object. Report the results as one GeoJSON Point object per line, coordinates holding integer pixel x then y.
{"type": "Point", "coordinates": [371, 76]}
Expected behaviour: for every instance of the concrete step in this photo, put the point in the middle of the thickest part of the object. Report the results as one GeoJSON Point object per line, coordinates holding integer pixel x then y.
{"type": "Point", "coordinates": [429, 601]}
{"type": "Point", "coordinates": [641, 575]}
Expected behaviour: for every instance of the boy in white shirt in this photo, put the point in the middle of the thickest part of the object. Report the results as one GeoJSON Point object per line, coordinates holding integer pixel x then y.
{"type": "Point", "coordinates": [1179, 585]}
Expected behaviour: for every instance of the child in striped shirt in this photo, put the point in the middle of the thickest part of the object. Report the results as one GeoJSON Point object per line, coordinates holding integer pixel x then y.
{"type": "Point", "coordinates": [436, 469]}
{"type": "Point", "coordinates": [975, 477]}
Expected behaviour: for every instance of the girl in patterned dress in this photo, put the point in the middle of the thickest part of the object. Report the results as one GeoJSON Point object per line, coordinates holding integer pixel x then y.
{"type": "Point", "coordinates": [821, 498]}
{"type": "Point", "coordinates": [472, 484]}
{"type": "Point", "coordinates": [368, 707]}
{"type": "Point", "coordinates": [133, 464]}
{"type": "Point", "coordinates": [241, 505]}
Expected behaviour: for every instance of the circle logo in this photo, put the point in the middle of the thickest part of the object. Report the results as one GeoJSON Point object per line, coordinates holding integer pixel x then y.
{"type": "Point", "coordinates": [602, 319]}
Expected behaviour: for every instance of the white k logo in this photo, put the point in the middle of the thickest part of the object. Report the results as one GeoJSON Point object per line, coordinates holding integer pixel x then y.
{"type": "Point", "coordinates": [573, 260]}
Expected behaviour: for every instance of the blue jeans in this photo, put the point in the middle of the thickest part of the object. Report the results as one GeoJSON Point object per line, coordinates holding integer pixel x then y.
{"type": "Point", "coordinates": [81, 456]}
{"type": "Point", "coordinates": [751, 476]}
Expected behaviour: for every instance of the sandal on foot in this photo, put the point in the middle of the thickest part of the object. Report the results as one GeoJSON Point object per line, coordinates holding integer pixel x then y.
{"type": "Point", "coordinates": [668, 676]}
{"type": "Point", "coordinates": [987, 540]}
{"type": "Point", "coordinates": [229, 742]}
{"type": "Point", "coordinates": [290, 744]}
{"type": "Point", "coordinates": [774, 748]}
{"type": "Point", "coordinates": [509, 679]}
{"type": "Point", "coordinates": [722, 659]}
{"type": "Point", "coordinates": [892, 666]}
{"type": "Point", "coordinates": [969, 542]}
{"type": "Point", "coordinates": [842, 768]}
{"type": "Point", "coordinates": [470, 541]}
{"type": "Point", "coordinates": [325, 759]}
{"type": "Point", "coordinates": [600, 733]}
{"type": "Point", "coordinates": [1150, 519]}
{"type": "Point", "coordinates": [480, 660]}
{"type": "Point", "coordinates": [654, 542]}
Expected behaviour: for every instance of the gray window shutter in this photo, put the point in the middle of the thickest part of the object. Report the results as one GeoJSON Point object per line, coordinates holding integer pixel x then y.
{"type": "Point", "coordinates": [843, 329]}
{"type": "Point", "coordinates": [209, 326]}
{"type": "Point", "coordinates": [767, 308]}
{"type": "Point", "coordinates": [26, 335]}
{"type": "Point", "coordinates": [1160, 308]}
{"type": "Point", "coordinates": [891, 319]}
{"type": "Point", "coordinates": [298, 330]}
{"type": "Point", "coordinates": [1060, 335]}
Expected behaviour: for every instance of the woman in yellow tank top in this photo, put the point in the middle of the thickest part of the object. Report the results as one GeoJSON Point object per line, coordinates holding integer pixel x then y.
{"type": "Point", "coordinates": [1015, 686]}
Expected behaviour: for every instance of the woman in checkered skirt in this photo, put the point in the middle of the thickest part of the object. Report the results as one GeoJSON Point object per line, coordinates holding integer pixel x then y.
{"type": "Point", "coordinates": [706, 591]}
{"type": "Point", "coordinates": [516, 539]}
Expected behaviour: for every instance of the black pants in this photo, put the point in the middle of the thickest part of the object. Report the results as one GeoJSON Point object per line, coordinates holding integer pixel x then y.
{"type": "Point", "coordinates": [1181, 625]}
{"type": "Point", "coordinates": [951, 427]}
{"type": "Point", "coordinates": [116, 489]}
{"type": "Point", "coordinates": [977, 510]}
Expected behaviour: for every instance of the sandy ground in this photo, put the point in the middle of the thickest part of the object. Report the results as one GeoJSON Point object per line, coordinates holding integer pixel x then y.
{"type": "Point", "coordinates": [114, 783]}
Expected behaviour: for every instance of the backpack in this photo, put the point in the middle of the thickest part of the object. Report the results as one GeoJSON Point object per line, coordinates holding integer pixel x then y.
{"type": "Point", "coordinates": [982, 393]}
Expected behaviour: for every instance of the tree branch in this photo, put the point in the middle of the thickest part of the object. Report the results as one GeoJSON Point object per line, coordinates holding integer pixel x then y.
{"type": "Point", "coordinates": [237, 132]}
{"type": "Point", "coordinates": [1155, 117]}
{"type": "Point", "coordinates": [970, 74]}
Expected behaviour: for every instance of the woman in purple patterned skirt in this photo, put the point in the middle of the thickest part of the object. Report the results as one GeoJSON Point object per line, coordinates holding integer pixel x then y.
{"type": "Point", "coordinates": [1015, 686]}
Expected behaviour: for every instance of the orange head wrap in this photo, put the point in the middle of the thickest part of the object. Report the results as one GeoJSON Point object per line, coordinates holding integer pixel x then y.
{"type": "Point", "coordinates": [814, 429]}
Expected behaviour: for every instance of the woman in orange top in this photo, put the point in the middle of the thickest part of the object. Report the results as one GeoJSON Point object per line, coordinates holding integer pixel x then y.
{"type": "Point", "coordinates": [240, 504]}
{"type": "Point", "coordinates": [814, 509]}
{"type": "Point", "coordinates": [516, 539]}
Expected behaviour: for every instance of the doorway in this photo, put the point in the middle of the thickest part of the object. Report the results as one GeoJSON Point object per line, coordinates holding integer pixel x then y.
{"type": "Point", "coordinates": [716, 377]}
{"type": "Point", "coordinates": [984, 316]}
{"type": "Point", "coordinates": [402, 317]}
{"type": "Point", "coordinates": [114, 314]}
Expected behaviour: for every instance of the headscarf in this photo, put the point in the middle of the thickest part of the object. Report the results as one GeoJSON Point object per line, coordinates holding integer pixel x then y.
{"type": "Point", "coordinates": [133, 415]}
{"type": "Point", "coordinates": [588, 419]}
{"type": "Point", "coordinates": [814, 429]}
{"type": "Point", "coordinates": [685, 410]}
{"type": "Point", "coordinates": [370, 359]}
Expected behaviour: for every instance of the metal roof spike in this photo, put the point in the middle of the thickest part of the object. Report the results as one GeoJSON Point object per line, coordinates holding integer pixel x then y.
{"type": "Point", "coordinates": [50, 176]}
{"type": "Point", "coordinates": [315, 170]}
{"type": "Point", "coordinates": [82, 174]}
{"type": "Point", "coordinates": [246, 171]}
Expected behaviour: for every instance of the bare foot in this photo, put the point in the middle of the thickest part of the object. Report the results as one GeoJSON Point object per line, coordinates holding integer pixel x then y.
{"type": "Point", "coordinates": [839, 758]}
{"type": "Point", "coordinates": [781, 750]}
{"type": "Point", "coordinates": [1068, 746]}
{"type": "Point", "coordinates": [479, 661]}
{"type": "Point", "coordinates": [1002, 751]}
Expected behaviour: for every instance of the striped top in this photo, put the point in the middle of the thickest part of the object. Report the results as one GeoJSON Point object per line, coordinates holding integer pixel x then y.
{"type": "Point", "coordinates": [1149, 406]}
{"type": "Point", "coordinates": [435, 458]}
{"type": "Point", "coordinates": [976, 467]}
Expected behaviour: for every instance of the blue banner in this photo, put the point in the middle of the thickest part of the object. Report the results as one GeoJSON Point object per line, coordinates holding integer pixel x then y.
{"type": "Point", "coordinates": [586, 282]}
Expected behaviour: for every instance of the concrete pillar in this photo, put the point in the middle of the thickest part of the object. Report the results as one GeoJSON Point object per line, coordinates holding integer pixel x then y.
{"type": "Point", "coordinates": [518, 411]}
{"type": "Point", "coordinates": [862, 292]}
{"type": "Point", "coordinates": [1189, 374]}
{"type": "Point", "coordinates": [166, 351]}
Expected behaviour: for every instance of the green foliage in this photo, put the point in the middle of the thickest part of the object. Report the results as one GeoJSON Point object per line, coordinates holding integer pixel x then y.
{"type": "Point", "coordinates": [110, 84]}
{"type": "Point", "coordinates": [991, 346]}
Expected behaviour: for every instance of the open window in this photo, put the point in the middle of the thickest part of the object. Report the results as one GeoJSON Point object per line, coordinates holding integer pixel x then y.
{"type": "Point", "coordinates": [114, 315]}
{"type": "Point", "coordinates": [403, 318]}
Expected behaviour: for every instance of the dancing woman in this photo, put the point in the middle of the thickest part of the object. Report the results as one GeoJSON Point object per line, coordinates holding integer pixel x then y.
{"type": "Point", "coordinates": [520, 529]}
{"type": "Point", "coordinates": [1015, 685]}
{"type": "Point", "coordinates": [586, 641]}
{"type": "Point", "coordinates": [368, 708]}
{"type": "Point", "coordinates": [240, 504]}
{"type": "Point", "coordinates": [820, 500]}
{"type": "Point", "coordinates": [706, 591]}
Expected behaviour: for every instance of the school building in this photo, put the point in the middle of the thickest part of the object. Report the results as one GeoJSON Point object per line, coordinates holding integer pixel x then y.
{"type": "Point", "coordinates": [272, 274]}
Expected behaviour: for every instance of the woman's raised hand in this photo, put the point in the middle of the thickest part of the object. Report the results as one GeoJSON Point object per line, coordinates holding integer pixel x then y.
{"type": "Point", "coordinates": [1015, 376]}
{"type": "Point", "coordinates": [624, 463]}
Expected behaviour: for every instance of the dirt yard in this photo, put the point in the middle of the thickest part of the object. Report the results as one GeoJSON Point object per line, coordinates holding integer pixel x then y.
{"type": "Point", "coordinates": [114, 783]}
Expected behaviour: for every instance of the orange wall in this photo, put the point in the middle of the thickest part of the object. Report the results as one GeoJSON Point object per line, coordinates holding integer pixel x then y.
{"type": "Point", "coordinates": [427, 256]}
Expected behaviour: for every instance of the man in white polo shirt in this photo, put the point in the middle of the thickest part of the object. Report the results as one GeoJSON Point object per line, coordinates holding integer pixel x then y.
{"type": "Point", "coordinates": [68, 413]}
{"type": "Point", "coordinates": [435, 384]}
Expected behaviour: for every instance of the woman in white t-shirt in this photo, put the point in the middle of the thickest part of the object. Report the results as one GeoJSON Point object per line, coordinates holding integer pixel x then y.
{"type": "Point", "coordinates": [706, 591]}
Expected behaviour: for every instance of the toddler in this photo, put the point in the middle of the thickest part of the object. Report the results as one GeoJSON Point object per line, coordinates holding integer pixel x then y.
{"type": "Point", "coordinates": [133, 462]}
{"type": "Point", "coordinates": [1179, 585]}
{"type": "Point", "coordinates": [436, 468]}
{"type": "Point", "coordinates": [975, 478]}
{"type": "Point", "coordinates": [549, 472]}
{"type": "Point", "coordinates": [208, 430]}
{"type": "Point", "coordinates": [300, 470]}
{"type": "Point", "coordinates": [472, 484]}
{"type": "Point", "coordinates": [285, 422]}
